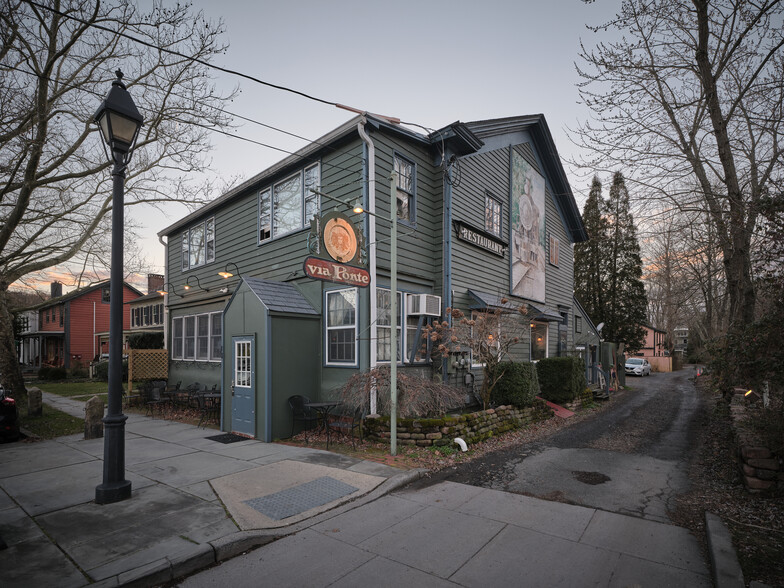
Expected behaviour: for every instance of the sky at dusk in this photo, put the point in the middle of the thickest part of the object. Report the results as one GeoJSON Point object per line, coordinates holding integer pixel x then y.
{"type": "Point", "coordinates": [425, 62]}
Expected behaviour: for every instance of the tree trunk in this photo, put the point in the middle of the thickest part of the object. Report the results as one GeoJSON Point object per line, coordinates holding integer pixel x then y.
{"type": "Point", "coordinates": [10, 370]}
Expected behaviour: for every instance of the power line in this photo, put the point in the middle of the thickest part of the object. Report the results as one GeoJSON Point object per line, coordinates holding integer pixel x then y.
{"type": "Point", "coordinates": [182, 55]}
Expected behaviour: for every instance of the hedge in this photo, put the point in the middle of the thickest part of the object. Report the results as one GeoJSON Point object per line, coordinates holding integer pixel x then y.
{"type": "Point", "coordinates": [52, 373]}
{"type": "Point", "coordinates": [518, 386]}
{"type": "Point", "coordinates": [102, 371]}
{"type": "Point", "coordinates": [146, 341]}
{"type": "Point", "coordinates": [561, 379]}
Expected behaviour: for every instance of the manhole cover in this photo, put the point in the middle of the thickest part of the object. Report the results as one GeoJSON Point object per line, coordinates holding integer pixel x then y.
{"type": "Point", "coordinates": [592, 478]}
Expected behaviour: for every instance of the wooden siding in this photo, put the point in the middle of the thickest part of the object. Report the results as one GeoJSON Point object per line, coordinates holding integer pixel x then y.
{"type": "Point", "coordinates": [475, 268]}
{"type": "Point", "coordinates": [419, 247]}
{"type": "Point", "coordinates": [236, 229]}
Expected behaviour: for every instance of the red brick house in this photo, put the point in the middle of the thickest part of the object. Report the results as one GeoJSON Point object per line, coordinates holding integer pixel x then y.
{"type": "Point", "coordinates": [72, 328]}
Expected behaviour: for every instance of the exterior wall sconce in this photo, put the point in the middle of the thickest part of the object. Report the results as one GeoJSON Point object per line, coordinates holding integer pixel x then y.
{"type": "Point", "coordinates": [226, 274]}
{"type": "Point", "coordinates": [188, 286]}
{"type": "Point", "coordinates": [170, 290]}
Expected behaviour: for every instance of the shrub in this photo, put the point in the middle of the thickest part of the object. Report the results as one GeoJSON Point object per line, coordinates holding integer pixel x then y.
{"type": "Point", "coordinates": [52, 373]}
{"type": "Point", "coordinates": [416, 396]}
{"type": "Point", "coordinates": [145, 341]}
{"type": "Point", "coordinates": [517, 383]}
{"type": "Point", "coordinates": [102, 371]}
{"type": "Point", "coordinates": [561, 379]}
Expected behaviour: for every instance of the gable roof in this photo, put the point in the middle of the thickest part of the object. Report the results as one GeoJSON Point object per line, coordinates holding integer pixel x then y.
{"type": "Point", "coordinates": [279, 296]}
{"type": "Point", "coordinates": [82, 292]}
{"type": "Point", "coordinates": [462, 138]}
{"type": "Point", "coordinates": [536, 125]}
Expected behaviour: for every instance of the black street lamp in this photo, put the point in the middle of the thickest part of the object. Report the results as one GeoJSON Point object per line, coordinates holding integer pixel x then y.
{"type": "Point", "coordinates": [119, 121]}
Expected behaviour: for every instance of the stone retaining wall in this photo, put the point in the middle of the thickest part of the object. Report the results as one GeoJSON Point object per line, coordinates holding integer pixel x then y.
{"type": "Point", "coordinates": [585, 398]}
{"type": "Point", "coordinates": [759, 467]}
{"type": "Point", "coordinates": [472, 428]}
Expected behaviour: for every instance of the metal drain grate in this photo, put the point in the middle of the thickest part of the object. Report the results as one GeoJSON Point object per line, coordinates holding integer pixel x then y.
{"type": "Point", "coordinates": [298, 499]}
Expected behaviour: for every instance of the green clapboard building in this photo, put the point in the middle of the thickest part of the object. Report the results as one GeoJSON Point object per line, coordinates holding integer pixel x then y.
{"type": "Point", "coordinates": [266, 302]}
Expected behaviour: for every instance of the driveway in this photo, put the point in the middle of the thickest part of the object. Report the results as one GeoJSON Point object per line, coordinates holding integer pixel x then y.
{"type": "Point", "coordinates": [630, 459]}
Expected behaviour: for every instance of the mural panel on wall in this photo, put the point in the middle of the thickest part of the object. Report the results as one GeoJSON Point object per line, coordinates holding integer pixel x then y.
{"type": "Point", "coordinates": [527, 230]}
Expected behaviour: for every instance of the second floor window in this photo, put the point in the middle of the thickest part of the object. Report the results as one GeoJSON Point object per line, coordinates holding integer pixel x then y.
{"type": "Point", "coordinates": [492, 216]}
{"type": "Point", "coordinates": [406, 189]}
{"type": "Point", "coordinates": [288, 205]}
{"type": "Point", "coordinates": [198, 244]}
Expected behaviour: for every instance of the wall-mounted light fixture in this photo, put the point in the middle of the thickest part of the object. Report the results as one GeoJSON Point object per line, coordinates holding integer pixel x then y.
{"type": "Point", "coordinates": [170, 290]}
{"type": "Point", "coordinates": [226, 274]}
{"type": "Point", "coordinates": [188, 286]}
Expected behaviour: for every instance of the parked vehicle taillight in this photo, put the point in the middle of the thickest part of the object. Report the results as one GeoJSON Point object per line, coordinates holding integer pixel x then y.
{"type": "Point", "coordinates": [9, 401]}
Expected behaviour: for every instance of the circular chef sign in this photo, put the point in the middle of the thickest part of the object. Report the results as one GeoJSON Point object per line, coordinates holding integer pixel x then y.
{"type": "Point", "coordinates": [340, 240]}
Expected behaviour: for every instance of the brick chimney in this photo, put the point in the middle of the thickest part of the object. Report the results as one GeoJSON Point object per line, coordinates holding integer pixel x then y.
{"type": "Point", "coordinates": [56, 289]}
{"type": "Point", "coordinates": [154, 283]}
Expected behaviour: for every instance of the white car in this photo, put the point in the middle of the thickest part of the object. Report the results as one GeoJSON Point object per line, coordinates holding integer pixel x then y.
{"type": "Point", "coordinates": [638, 366]}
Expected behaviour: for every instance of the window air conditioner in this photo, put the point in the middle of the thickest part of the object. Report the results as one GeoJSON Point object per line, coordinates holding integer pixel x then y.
{"type": "Point", "coordinates": [426, 304]}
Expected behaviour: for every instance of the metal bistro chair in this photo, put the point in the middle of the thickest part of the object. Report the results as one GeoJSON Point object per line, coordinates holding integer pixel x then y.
{"type": "Point", "coordinates": [152, 396]}
{"type": "Point", "coordinates": [301, 413]}
{"type": "Point", "coordinates": [209, 407]}
{"type": "Point", "coordinates": [348, 422]}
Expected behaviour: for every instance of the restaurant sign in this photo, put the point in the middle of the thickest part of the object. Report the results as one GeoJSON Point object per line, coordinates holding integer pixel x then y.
{"type": "Point", "coordinates": [330, 271]}
{"type": "Point", "coordinates": [480, 238]}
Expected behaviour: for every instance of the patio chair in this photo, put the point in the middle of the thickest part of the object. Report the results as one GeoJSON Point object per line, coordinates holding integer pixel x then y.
{"type": "Point", "coordinates": [209, 407]}
{"type": "Point", "coordinates": [348, 422]}
{"type": "Point", "coordinates": [301, 413]}
{"type": "Point", "coordinates": [152, 396]}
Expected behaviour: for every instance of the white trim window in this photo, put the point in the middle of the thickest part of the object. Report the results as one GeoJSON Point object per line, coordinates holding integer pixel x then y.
{"type": "Point", "coordinates": [493, 215]}
{"type": "Point", "coordinates": [493, 338]}
{"type": "Point", "coordinates": [177, 338]}
{"type": "Point", "coordinates": [341, 327]}
{"type": "Point", "coordinates": [287, 206]}
{"type": "Point", "coordinates": [198, 244]}
{"type": "Point", "coordinates": [384, 325]}
{"type": "Point", "coordinates": [539, 339]}
{"type": "Point", "coordinates": [405, 339]}
{"type": "Point", "coordinates": [197, 337]}
{"type": "Point", "coordinates": [406, 188]}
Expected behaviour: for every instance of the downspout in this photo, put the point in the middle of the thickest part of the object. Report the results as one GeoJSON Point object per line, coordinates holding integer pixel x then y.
{"type": "Point", "coordinates": [370, 174]}
{"type": "Point", "coordinates": [268, 382]}
{"type": "Point", "coordinates": [166, 296]}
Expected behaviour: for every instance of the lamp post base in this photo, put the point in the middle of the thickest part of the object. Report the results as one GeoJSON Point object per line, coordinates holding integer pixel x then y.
{"type": "Point", "coordinates": [113, 492]}
{"type": "Point", "coordinates": [114, 487]}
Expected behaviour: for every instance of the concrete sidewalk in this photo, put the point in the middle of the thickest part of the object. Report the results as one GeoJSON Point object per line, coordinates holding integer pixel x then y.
{"type": "Point", "coordinates": [456, 535]}
{"type": "Point", "coordinates": [334, 520]}
{"type": "Point", "coordinates": [195, 501]}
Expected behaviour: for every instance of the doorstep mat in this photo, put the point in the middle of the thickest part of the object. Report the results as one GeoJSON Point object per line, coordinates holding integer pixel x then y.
{"type": "Point", "coordinates": [288, 491]}
{"type": "Point", "coordinates": [227, 438]}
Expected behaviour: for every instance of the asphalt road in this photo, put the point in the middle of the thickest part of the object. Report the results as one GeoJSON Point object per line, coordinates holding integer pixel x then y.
{"type": "Point", "coordinates": [631, 458]}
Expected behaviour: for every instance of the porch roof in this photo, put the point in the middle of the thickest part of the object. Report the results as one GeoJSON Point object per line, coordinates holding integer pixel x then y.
{"type": "Point", "coordinates": [279, 296]}
{"type": "Point", "coordinates": [539, 312]}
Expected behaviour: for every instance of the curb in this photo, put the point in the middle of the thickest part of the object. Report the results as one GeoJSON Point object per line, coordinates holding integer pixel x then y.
{"type": "Point", "coordinates": [237, 543]}
{"type": "Point", "coordinates": [725, 568]}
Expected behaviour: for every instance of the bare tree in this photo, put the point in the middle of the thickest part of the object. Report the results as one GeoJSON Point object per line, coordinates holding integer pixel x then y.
{"type": "Point", "coordinates": [58, 60]}
{"type": "Point", "coordinates": [693, 93]}
{"type": "Point", "coordinates": [489, 336]}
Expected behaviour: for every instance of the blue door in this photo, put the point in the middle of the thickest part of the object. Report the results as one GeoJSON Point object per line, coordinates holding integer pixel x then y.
{"type": "Point", "coordinates": [243, 387]}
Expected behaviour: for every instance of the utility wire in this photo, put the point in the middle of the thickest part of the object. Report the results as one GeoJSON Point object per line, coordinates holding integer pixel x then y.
{"type": "Point", "coordinates": [182, 55]}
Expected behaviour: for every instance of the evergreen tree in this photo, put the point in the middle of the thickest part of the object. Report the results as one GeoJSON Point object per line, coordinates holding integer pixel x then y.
{"type": "Point", "coordinates": [590, 257]}
{"type": "Point", "coordinates": [624, 296]}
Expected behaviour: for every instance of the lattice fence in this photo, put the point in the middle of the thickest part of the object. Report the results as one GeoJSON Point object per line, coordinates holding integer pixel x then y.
{"type": "Point", "coordinates": [147, 364]}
